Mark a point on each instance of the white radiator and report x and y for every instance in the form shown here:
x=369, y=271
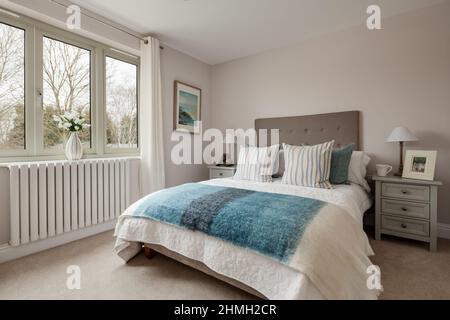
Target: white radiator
x=57, y=197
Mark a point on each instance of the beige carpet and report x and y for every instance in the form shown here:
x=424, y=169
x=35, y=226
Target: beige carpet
x=409, y=271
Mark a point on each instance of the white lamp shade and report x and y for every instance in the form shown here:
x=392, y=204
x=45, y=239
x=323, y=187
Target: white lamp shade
x=401, y=134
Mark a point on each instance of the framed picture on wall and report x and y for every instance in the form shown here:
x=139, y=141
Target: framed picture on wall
x=187, y=107
x=419, y=164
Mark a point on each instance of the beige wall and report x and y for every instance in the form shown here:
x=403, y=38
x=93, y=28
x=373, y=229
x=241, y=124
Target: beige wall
x=178, y=66
x=396, y=76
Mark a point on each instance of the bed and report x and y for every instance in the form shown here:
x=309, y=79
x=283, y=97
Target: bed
x=328, y=261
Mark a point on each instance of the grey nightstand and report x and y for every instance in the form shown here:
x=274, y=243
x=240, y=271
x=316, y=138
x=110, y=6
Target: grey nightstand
x=217, y=172
x=406, y=208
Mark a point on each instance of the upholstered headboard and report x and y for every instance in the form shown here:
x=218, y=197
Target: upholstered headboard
x=343, y=127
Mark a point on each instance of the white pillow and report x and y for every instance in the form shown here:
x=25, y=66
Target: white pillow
x=308, y=166
x=281, y=163
x=257, y=164
x=357, y=169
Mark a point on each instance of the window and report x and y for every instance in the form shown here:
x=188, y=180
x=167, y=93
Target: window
x=12, y=87
x=121, y=104
x=66, y=74
x=47, y=71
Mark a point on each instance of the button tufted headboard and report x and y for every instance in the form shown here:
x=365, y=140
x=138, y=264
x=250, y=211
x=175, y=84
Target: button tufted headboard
x=343, y=127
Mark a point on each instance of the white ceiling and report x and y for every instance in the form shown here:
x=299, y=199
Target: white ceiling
x=216, y=31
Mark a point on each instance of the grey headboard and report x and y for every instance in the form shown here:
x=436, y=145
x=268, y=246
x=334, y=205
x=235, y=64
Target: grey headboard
x=343, y=127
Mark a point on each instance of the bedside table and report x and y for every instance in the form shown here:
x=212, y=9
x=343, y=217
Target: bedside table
x=217, y=172
x=406, y=208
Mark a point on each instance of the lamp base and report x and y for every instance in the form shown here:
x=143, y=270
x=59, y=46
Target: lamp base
x=400, y=169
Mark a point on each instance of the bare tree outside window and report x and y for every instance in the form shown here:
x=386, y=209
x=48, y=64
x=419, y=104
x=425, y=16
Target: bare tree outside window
x=67, y=87
x=121, y=104
x=12, y=87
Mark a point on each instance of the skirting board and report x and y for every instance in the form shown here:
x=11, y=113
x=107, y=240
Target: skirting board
x=8, y=253
x=444, y=230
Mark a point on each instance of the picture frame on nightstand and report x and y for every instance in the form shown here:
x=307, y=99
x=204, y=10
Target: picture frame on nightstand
x=420, y=165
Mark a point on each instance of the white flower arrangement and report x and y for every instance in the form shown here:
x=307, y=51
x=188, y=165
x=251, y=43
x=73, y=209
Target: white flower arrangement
x=71, y=121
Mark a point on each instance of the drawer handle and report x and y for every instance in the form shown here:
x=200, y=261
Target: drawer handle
x=404, y=225
x=405, y=192
x=221, y=174
x=404, y=209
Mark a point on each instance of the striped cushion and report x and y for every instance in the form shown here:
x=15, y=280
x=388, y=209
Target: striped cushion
x=308, y=166
x=256, y=164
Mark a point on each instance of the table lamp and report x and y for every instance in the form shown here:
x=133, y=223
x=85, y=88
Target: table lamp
x=402, y=135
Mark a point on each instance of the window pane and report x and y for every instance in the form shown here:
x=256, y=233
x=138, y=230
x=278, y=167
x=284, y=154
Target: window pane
x=121, y=104
x=67, y=76
x=12, y=87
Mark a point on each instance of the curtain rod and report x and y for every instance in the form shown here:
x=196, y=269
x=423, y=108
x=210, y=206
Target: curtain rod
x=105, y=23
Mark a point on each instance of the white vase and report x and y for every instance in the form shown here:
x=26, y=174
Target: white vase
x=74, y=148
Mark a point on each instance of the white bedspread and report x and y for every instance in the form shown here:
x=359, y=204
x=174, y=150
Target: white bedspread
x=269, y=277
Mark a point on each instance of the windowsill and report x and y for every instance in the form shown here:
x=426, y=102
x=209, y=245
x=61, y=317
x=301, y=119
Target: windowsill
x=5, y=162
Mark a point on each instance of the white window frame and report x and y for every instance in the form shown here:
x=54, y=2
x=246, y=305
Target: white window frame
x=34, y=144
x=29, y=94
x=40, y=89
x=115, y=54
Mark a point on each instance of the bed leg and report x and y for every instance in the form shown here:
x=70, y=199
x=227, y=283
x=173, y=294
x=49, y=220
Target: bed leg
x=149, y=253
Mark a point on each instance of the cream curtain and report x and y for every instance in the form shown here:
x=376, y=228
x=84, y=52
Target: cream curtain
x=151, y=126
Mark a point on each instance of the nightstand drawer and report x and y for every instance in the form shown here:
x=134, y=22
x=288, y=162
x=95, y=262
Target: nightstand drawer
x=415, y=227
x=406, y=209
x=404, y=191
x=221, y=173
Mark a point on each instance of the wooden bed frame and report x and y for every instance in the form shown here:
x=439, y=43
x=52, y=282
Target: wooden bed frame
x=148, y=252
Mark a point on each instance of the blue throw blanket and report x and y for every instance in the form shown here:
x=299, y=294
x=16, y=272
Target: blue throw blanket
x=269, y=223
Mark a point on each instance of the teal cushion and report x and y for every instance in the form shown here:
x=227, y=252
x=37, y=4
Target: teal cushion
x=340, y=161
